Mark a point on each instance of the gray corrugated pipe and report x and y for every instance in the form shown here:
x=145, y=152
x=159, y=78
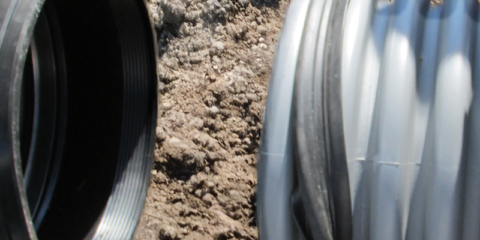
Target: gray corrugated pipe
x=408, y=106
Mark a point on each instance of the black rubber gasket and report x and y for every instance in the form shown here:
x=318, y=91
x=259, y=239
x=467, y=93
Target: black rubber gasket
x=334, y=123
x=319, y=141
x=309, y=143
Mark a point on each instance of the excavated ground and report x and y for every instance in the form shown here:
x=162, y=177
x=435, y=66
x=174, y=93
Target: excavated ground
x=215, y=59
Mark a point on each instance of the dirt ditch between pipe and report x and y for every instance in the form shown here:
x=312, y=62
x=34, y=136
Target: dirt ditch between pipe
x=215, y=60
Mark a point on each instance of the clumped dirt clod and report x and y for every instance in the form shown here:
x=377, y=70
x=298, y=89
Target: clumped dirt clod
x=215, y=63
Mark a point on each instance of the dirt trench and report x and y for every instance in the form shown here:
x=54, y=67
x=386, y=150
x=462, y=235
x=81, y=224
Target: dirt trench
x=215, y=60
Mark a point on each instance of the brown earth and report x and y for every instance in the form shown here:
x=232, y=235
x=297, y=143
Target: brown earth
x=214, y=67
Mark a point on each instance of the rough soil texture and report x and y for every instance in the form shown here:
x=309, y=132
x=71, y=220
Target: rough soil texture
x=215, y=63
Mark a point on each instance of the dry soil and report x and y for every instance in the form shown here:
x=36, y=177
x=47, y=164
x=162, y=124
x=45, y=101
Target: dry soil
x=215, y=59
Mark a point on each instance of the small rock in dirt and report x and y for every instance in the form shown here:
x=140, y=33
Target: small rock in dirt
x=168, y=233
x=161, y=86
x=167, y=106
x=198, y=193
x=160, y=134
x=221, y=155
x=181, y=223
x=213, y=111
x=247, y=141
x=210, y=185
x=196, y=123
x=236, y=196
x=160, y=177
x=222, y=199
x=217, y=48
x=173, y=11
x=244, y=3
x=208, y=199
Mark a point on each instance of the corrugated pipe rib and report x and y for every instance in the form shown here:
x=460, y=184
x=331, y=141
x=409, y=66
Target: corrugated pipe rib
x=388, y=102
x=408, y=87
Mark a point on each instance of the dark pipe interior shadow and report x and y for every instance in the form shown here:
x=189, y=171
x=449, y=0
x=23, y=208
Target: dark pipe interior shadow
x=94, y=100
x=108, y=78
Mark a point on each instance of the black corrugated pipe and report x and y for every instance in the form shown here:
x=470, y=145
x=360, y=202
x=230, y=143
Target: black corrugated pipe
x=78, y=102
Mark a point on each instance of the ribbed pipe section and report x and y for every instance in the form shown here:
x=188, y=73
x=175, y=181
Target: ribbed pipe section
x=411, y=103
x=94, y=189
x=127, y=199
x=16, y=28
